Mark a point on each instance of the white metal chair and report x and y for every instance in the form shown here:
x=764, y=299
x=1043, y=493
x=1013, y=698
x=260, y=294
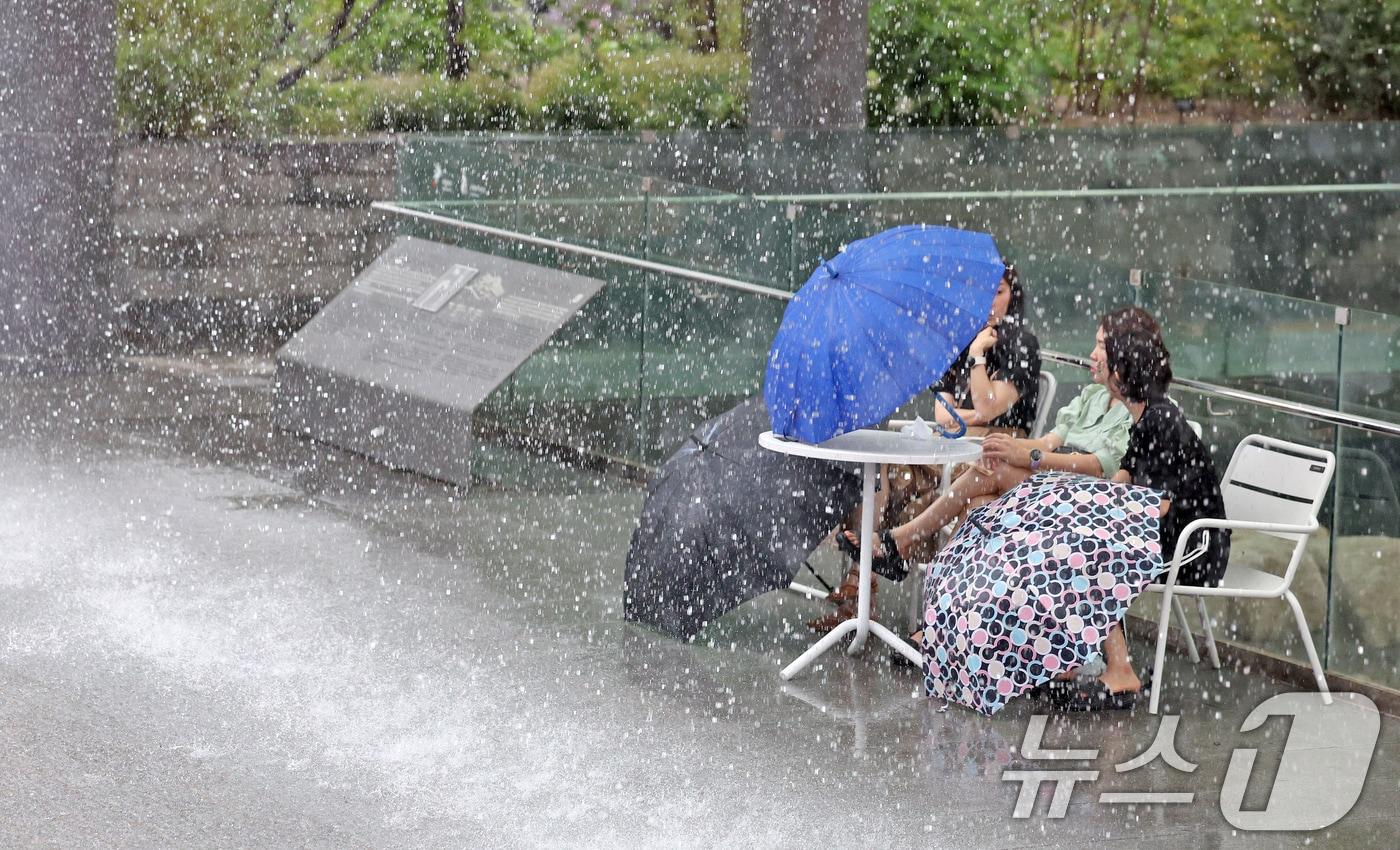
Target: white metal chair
x=1271, y=486
x=1044, y=403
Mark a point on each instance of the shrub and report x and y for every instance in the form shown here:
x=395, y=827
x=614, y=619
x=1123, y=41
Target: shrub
x=682, y=89
x=421, y=103
x=956, y=62
x=406, y=103
x=180, y=66
x=1218, y=51
x=572, y=92
x=606, y=88
x=1345, y=53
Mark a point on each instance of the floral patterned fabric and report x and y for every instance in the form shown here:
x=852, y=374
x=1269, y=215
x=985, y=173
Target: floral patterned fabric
x=1031, y=584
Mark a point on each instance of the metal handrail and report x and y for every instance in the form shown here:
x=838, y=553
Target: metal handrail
x=596, y=253
x=1322, y=414
x=1332, y=417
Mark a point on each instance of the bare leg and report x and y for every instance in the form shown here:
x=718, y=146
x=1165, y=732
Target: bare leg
x=974, y=503
x=976, y=486
x=1119, y=676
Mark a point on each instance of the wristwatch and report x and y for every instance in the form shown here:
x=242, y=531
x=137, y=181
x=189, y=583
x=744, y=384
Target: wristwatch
x=1036, y=456
x=979, y=360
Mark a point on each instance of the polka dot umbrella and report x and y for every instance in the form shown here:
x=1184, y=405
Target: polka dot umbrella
x=1031, y=584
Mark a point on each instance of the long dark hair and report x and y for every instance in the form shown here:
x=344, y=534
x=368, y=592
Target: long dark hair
x=1016, y=308
x=1139, y=364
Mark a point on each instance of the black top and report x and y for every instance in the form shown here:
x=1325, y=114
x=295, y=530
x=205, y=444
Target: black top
x=1014, y=358
x=1165, y=454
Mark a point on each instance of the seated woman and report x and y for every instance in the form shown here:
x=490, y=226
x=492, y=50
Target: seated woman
x=1164, y=454
x=995, y=381
x=1089, y=437
x=994, y=384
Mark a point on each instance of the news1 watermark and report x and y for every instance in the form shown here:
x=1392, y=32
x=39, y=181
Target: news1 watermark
x=1325, y=761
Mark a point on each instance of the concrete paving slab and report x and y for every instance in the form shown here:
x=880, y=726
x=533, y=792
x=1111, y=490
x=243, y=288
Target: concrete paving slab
x=215, y=634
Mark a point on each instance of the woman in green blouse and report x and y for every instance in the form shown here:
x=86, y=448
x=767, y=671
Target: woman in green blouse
x=1089, y=437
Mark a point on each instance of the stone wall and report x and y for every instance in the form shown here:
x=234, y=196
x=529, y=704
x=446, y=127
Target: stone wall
x=232, y=245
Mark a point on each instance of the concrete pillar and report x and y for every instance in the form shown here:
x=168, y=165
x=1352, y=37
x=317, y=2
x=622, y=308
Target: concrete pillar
x=56, y=163
x=807, y=63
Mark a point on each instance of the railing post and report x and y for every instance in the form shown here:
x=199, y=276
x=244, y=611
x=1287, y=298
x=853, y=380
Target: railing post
x=643, y=418
x=1343, y=318
x=793, y=273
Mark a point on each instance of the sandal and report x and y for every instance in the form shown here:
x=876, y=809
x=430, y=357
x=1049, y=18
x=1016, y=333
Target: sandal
x=849, y=590
x=1054, y=691
x=890, y=564
x=1095, y=696
x=845, y=545
x=899, y=659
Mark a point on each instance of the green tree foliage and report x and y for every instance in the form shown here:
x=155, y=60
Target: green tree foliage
x=1345, y=52
x=983, y=61
x=1217, y=50
x=953, y=62
x=198, y=67
x=181, y=64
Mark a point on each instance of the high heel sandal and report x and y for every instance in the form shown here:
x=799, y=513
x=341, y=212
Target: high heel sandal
x=889, y=563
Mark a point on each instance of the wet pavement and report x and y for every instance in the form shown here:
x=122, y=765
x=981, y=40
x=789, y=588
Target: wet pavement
x=220, y=635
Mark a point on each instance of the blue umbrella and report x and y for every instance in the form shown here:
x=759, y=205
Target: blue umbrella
x=875, y=326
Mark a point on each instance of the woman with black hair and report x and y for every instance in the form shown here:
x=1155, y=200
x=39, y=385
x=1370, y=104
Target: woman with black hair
x=995, y=382
x=1164, y=454
x=995, y=385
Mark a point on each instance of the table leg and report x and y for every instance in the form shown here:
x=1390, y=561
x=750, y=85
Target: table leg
x=861, y=624
x=867, y=548
x=816, y=649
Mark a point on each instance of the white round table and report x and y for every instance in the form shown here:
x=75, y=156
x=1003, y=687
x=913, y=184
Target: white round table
x=870, y=448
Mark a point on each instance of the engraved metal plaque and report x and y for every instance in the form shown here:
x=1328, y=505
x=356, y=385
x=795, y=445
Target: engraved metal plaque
x=395, y=365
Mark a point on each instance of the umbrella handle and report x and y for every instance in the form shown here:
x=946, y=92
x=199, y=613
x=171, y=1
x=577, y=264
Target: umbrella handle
x=953, y=411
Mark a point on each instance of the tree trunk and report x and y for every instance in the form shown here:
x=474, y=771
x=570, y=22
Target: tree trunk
x=706, y=27
x=1101, y=77
x=808, y=64
x=1077, y=27
x=337, y=36
x=1140, y=73
x=458, y=56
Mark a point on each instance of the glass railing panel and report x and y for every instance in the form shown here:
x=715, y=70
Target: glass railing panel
x=1254, y=341
x=1371, y=365
x=716, y=159
x=583, y=205
x=1017, y=158
x=705, y=350
x=1364, y=640
x=730, y=235
x=464, y=179
x=805, y=161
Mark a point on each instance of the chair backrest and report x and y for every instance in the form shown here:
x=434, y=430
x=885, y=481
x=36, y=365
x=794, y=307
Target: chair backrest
x=1271, y=480
x=1044, y=403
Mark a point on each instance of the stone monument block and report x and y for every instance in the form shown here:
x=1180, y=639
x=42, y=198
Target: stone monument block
x=395, y=365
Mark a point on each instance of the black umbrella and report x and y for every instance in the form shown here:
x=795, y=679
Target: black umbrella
x=726, y=520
